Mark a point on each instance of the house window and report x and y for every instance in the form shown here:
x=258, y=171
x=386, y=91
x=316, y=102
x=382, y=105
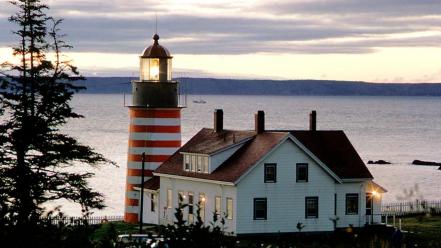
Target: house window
x=205, y=164
x=335, y=204
x=202, y=201
x=181, y=198
x=153, y=202
x=270, y=173
x=369, y=203
x=199, y=163
x=229, y=208
x=193, y=163
x=311, y=207
x=260, y=208
x=187, y=166
x=217, y=205
x=351, y=204
x=169, y=198
x=190, y=207
x=302, y=172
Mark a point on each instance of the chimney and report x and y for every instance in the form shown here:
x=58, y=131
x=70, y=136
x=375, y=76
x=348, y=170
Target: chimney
x=313, y=121
x=218, y=120
x=259, y=123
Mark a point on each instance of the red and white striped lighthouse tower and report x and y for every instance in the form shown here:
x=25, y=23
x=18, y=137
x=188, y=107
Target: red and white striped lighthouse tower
x=155, y=122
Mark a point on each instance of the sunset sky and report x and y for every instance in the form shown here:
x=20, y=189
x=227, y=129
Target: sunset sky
x=368, y=40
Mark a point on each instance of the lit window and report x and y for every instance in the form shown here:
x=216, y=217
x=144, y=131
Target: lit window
x=270, y=173
x=302, y=172
x=351, y=204
x=260, y=208
x=217, y=205
x=190, y=207
x=154, y=69
x=311, y=207
x=169, y=198
x=229, y=208
x=202, y=201
x=153, y=202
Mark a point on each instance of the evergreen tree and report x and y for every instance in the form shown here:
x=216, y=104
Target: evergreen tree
x=35, y=94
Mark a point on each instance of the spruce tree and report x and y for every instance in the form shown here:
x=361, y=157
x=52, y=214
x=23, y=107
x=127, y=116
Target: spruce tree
x=35, y=95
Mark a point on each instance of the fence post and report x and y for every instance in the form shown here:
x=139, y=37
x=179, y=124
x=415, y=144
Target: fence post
x=399, y=223
x=393, y=217
x=386, y=220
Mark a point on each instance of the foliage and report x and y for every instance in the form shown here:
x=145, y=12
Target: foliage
x=35, y=156
x=197, y=234
x=300, y=226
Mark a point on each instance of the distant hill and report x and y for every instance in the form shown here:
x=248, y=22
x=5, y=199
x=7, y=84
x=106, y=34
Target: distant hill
x=212, y=86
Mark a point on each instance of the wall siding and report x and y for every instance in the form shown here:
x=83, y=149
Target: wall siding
x=149, y=216
x=286, y=197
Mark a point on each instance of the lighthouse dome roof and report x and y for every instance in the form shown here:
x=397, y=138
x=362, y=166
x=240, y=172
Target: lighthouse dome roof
x=156, y=50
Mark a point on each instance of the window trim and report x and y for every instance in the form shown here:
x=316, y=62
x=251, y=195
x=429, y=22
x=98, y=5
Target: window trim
x=265, y=200
x=297, y=172
x=306, y=207
x=349, y=195
x=266, y=165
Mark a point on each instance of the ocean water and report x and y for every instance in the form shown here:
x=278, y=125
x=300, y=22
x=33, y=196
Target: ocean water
x=396, y=129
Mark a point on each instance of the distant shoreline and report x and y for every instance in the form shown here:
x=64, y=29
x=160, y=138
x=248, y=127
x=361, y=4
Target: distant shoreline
x=213, y=86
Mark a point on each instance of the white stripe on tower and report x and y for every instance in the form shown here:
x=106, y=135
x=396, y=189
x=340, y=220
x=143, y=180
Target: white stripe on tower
x=157, y=132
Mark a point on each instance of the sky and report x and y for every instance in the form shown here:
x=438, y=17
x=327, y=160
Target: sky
x=362, y=40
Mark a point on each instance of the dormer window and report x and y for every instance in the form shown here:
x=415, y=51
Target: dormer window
x=187, y=163
x=196, y=163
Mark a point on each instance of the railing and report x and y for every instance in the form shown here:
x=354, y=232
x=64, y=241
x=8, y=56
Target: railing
x=409, y=208
x=76, y=221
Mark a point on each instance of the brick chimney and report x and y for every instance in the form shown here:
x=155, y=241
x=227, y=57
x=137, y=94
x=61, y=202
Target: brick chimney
x=313, y=121
x=218, y=120
x=259, y=121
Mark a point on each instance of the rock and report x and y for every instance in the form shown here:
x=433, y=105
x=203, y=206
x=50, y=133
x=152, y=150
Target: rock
x=378, y=162
x=420, y=162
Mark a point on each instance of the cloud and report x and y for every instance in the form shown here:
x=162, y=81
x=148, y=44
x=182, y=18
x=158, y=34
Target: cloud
x=245, y=27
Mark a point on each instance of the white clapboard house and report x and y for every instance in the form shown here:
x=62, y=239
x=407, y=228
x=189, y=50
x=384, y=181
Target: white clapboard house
x=266, y=181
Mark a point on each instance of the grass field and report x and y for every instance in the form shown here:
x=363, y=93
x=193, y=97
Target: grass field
x=422, y=230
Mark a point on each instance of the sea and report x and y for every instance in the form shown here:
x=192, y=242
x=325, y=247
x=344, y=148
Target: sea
x=395, y=129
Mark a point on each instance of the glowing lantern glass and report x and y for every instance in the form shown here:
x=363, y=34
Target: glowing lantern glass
x=156, y=63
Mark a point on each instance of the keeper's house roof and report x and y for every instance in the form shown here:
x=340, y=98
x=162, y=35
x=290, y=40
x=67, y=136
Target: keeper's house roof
x=331, y=148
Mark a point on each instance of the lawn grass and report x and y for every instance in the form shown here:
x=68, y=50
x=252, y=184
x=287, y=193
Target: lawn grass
x=422, y=230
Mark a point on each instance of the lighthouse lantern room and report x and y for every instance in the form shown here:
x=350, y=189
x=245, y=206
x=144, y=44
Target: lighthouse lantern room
x=155, y=124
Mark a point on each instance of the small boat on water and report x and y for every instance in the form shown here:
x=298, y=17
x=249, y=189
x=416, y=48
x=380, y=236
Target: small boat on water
x=199, y=101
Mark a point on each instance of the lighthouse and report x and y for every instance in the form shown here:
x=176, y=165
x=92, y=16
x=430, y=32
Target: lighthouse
x=155, y=122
